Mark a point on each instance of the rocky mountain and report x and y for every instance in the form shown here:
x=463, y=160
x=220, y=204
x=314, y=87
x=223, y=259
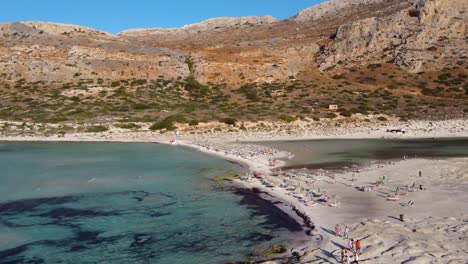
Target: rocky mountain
x=423, y=35
x=332, y=7
x=427, y=36
x=398, y=58
x=211, y=24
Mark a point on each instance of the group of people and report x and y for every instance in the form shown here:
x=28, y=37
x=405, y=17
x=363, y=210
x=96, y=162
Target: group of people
x=354, y=247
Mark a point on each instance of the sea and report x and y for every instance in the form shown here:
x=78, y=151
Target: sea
x=128, y=203
x=152, y=203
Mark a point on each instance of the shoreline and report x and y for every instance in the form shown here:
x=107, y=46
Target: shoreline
x=320, y=216
x=314, y=215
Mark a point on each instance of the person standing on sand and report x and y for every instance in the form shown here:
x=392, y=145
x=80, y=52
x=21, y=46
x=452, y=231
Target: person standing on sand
x=358, y=246
x=344, y=255
x=356, y=258
x=337, y=230
x=351, y=244
x=346, y=232
x=420, y=173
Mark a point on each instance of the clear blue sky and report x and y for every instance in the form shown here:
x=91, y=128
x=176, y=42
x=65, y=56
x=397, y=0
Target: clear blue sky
x=116, y=15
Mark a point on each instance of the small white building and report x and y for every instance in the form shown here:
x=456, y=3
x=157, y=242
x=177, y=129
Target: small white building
x=332, y=107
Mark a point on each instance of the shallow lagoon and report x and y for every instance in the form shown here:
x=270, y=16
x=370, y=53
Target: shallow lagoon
x=337, y=153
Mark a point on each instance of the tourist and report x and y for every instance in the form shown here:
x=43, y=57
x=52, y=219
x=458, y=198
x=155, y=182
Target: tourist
x=344, y=255
x=358, y=246
x=356, y=258
x=346, y=232
x=420, y=173
x=351, y=244
x=337, y=230
x=348, y=259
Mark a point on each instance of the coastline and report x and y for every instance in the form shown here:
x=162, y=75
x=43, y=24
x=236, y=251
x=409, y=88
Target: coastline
x=323, y=217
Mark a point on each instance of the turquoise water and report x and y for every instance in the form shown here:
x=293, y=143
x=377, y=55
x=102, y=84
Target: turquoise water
x=125, y=203
x=336, y=153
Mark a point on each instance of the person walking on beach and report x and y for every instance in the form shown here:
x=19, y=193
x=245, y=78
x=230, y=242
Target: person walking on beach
x=351, y=244
x=420, y=173
x=358, y=246
x=337, y=230
x=356, y=258
x=344, y=255
x=346, y=232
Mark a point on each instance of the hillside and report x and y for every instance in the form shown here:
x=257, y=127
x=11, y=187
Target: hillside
x=402, y=58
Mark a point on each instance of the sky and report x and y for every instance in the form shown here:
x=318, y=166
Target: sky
x=116, y=15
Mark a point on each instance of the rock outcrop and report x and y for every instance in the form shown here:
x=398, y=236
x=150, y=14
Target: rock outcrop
x=428, y=35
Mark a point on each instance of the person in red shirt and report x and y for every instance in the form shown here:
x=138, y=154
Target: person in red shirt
x=358, y=246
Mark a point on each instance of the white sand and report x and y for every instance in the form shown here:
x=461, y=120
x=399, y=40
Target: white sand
x=435, y=227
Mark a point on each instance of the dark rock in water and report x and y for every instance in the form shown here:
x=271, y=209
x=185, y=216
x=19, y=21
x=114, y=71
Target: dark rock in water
x=28, y=205
x=275, y=217
x=259, y=237
x=71, y=212
x=87, y=236
x=141, y=240
x=77, y=248
x=13, y=251
x=92, y=238
x=158, y=214
x=140, y=195
x=34, y=261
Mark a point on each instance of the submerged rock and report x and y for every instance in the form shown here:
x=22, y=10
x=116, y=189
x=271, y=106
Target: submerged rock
x=141, y=240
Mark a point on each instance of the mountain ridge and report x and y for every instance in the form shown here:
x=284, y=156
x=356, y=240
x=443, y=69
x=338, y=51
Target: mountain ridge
x=326, y=38
x=394, y=58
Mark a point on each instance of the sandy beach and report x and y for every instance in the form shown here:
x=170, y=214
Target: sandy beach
x=435, y=223
x=369, y=202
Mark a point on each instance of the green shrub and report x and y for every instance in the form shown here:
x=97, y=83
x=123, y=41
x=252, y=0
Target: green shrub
x=189, y=63
x=346, y=113
x=193, y=123
x=138, y=82
x=96, y=129
x=331, y=115
x=229, y=121
x=287, y=118
x=382, y=118
x=168, y=122
x=128, y=126
x=163, y=124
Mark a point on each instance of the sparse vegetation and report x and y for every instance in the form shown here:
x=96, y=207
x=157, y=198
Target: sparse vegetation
x=161, y=101
x=96, y=129
x=287, y=118
x=128, y=126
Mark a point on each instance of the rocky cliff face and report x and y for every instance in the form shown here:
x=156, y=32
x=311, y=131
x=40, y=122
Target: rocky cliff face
x=336, y=35
x=37, y=51
x=428, y=35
